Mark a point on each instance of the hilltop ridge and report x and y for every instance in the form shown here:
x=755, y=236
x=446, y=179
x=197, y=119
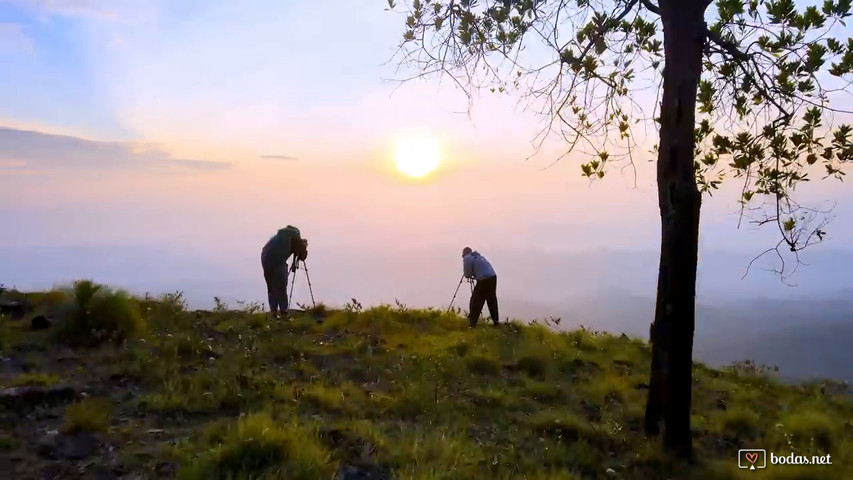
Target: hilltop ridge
x=386, y=392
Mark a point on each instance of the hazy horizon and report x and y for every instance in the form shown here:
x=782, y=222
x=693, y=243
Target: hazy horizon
x=157, y=146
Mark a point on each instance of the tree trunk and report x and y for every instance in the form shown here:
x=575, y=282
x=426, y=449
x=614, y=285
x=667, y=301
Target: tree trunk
x=670, y=386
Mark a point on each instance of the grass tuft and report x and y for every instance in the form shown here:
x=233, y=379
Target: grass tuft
x=96, y=313
x=91, y=415
x=811, y=429
x=8, y=442
x=34, y=379
x=260, y=447
x=533, y=365
x=482, y=365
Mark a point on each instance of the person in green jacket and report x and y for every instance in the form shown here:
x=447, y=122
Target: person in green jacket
x=286, y=242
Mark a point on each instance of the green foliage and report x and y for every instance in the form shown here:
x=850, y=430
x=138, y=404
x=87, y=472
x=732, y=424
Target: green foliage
x=48, y=301
x=260, y=447
x=35, y=379
x=7, y=442
x=533, y=365
x=568, y=428
x=250, y=307
x=419, y=394
x=173, y=301
x=219, y=305
x=318, y=310
x=97, y=313
x=764, y=103
x=740, y=423
x=482, y=365
x=90, y=415
x=810, y=430
x=461, y=348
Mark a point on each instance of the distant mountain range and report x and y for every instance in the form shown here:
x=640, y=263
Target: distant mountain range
x=804, y=338
x=804, y=330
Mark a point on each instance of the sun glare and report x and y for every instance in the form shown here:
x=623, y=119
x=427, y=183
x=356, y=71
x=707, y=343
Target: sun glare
x=417, y=156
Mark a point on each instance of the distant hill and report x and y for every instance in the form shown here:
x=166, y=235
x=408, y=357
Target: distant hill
x=804, y=338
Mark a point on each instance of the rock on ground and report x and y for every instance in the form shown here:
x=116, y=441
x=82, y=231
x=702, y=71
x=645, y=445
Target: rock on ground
x=18, y=398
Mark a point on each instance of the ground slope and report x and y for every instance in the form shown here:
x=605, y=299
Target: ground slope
x=382, y=393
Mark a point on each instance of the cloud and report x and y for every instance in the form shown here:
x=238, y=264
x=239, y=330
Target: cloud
x=287, y=158
x=13, y=39
x=71, y=8
x=24, y=151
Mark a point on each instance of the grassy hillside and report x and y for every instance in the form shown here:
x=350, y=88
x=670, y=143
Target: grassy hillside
x=141, y=388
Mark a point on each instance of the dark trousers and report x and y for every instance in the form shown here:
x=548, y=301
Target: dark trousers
x=276, y=278
x=486, y=291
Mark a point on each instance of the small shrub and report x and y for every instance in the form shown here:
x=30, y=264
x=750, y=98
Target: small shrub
x=185, y=347
x=327, y=398
x=582, y=339
x=741, y=423
x=257, y=321
x=173, y=302
x=566, y=428
x=533, y=365
x=440, y=452
x=284, y=351
x=461, y=349
x=7, y=442
x=482, y=365
x=48, y=301
x=544, y=392
x=90, y=415
x=250, y=307
x=219, y=305
x=98, y=313
x=35, y=379
x=259, y=447
x=811, y=426
x=353, y=306
x=319, y=310
x=490, y=397
x=748, y=368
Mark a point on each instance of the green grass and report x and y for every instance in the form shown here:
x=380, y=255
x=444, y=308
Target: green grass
x=7, y=442
x=419, y=394
x=34, y=379
x=91, y=415
x=259, y=446
x=92, y=314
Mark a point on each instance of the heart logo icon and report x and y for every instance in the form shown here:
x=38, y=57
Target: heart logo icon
x=752, y=457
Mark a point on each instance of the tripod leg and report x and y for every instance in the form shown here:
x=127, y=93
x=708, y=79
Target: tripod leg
x=310, y=288
x=290, y=294
x=454, y=293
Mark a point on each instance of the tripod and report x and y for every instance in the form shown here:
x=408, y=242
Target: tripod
x=470, y=283
x=293, y=281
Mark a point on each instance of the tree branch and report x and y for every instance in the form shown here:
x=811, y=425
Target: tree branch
x=729, y=47
x=651, y=6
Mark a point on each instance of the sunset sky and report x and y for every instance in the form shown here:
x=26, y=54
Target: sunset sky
x=203, y=126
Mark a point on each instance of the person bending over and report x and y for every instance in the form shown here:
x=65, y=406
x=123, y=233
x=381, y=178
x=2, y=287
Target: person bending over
x=286, y=242
x=476, y=267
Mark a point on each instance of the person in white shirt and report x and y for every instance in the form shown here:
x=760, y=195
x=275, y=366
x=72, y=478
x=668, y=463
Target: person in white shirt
x=476, y=267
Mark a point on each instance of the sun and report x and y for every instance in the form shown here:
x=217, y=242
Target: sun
x=416, y=156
